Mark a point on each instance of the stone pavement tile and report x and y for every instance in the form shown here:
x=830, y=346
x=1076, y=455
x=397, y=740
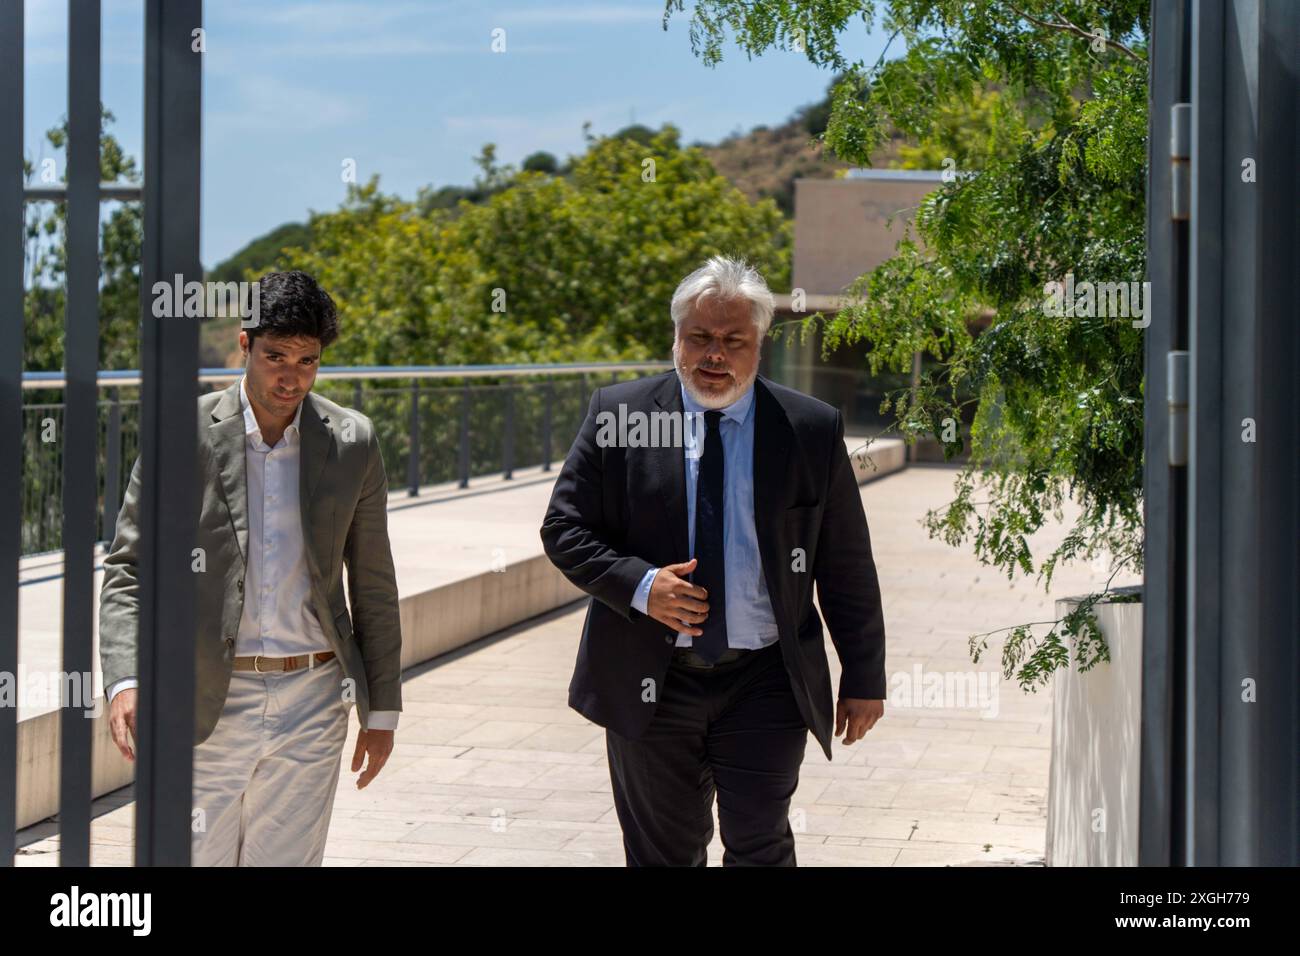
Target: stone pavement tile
x=380, y=796
x=503, y=773
x=374, y=826
x=981, y=725
x=346, y=848
x=482, y=833
x=575, y=810
x=497, y=733
x=999, y=739
x=872, y=752
x=809, y=789
x=859, y=793
x=542, y=714
x=463, y=791
x=514, y=856
x=1020, y=760
x=534, y=755
x=437, y=680
x=946, y=854
x=976, y=777
x=817, y=820
x=593, y=779
x=34, y=856
x=1020, y=837
x=923, y=795
x=885, y=731
x=432, y=730
x=431, y=769
x=1029, y=779
x=109, y=855
x=413, y=709
x=839, y=769
x=1018, y=799
x=942, y=755
x=565, y=737
x=823, y=855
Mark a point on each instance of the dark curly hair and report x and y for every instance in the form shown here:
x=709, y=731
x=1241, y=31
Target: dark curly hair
x=292, y=304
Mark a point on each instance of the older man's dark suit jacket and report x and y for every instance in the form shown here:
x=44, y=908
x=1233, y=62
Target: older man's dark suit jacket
x=615, y=512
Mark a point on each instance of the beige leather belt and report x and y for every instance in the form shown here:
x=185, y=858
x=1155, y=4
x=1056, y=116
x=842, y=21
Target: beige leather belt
x=270, y=665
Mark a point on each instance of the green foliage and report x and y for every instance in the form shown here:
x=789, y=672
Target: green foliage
x=258, y=255
x=546, y=269
x=45, y=266
x=1042, y=107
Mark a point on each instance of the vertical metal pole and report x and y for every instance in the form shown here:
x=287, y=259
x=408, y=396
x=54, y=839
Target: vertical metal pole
x=11, y=396
x=463, y=453
x=413, y=461
x=80, y=429
x=112, y=467
x=508, y=446
x=169, y=502
x=356, y=395
x=1164, y=496
x=549, y=391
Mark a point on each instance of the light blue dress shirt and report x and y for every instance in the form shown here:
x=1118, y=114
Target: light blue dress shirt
x=750, y=621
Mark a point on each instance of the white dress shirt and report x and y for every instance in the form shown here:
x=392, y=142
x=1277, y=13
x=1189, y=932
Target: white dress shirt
x=278, y=619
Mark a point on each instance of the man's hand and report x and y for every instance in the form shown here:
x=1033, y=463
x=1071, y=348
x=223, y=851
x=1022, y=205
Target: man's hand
x=677, y=602
x=859, y=715
x=378, y=744
x=121, y=718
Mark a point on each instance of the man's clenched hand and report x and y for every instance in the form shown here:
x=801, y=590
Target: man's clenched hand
x=677, y=602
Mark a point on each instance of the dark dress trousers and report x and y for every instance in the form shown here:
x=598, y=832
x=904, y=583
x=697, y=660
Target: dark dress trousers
x=615, y=512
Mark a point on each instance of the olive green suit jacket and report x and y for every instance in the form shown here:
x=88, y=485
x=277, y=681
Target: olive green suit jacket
x=343, y=491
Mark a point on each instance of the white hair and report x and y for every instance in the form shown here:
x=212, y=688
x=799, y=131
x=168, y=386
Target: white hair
x=725, y=279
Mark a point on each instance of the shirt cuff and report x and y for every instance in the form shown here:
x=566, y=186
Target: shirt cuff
x=383, y=719
x=124, y=683
x=641, y=599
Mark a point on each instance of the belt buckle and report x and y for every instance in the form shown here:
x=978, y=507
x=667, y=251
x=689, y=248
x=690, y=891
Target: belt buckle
x=256, y=669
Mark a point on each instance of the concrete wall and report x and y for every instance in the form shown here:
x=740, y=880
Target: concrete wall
x=841, y=226
x=1092, y=800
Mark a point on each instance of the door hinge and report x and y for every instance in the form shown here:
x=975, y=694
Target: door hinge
x=1180, y=159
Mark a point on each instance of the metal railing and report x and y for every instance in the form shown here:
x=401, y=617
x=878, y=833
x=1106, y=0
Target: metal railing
x=435, y=424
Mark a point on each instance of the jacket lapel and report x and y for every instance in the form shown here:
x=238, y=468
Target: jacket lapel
x=773, y=437
x=226, y=437
x=316, y=438
x=668, y=470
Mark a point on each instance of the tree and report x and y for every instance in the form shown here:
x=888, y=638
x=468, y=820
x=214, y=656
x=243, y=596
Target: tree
x=1048, y=183
x=545, y=269
x=45, y=265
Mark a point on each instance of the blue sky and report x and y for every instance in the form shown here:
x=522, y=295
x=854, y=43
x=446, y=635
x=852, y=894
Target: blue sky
x=410, y=91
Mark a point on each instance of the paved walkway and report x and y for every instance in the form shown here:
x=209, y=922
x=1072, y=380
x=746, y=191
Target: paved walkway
x=492, y=768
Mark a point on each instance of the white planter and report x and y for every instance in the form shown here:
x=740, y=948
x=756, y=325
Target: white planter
x=1092, y=797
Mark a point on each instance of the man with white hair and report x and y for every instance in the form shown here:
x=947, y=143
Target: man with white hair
x=702, y=653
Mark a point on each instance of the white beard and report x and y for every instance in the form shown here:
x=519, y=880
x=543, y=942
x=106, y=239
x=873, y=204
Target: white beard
x=720, y=400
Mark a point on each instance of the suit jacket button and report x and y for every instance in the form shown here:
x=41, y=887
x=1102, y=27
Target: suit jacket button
x=668, y=639
x=230, y=642
x=241, y=585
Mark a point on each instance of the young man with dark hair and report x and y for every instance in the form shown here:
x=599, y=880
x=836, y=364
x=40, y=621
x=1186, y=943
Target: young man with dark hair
x=294, y=489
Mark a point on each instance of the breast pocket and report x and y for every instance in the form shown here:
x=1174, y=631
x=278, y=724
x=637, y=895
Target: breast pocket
x=343, y=624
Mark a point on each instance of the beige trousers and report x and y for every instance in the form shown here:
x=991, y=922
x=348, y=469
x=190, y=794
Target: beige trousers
x=264, y=782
